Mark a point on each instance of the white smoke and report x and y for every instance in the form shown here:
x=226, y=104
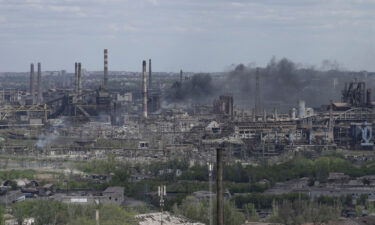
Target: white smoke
x=52, y=134
x=45, y=140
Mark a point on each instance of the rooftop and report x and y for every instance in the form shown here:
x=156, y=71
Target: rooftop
x=114, y=189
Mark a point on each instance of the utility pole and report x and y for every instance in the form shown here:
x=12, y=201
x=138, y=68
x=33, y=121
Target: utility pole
x=162, y=192
x=219, y=186
x=210, y=167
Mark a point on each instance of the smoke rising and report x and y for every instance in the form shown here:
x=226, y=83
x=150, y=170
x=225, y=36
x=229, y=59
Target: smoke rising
x=282, y=84
x=52, y=134
x=46, y=139
x=197, y=89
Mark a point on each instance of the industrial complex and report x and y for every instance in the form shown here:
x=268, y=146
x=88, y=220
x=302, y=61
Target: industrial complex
x=55, y=118
x=76, y=116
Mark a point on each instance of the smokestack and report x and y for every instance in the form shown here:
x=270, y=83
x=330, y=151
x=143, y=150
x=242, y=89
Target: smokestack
x=181, y=73
x=264, y=116
x=76, y=78
x=79, y=70
x=149, y=74
x=39, y=84
x=253, y=116
x=105, y=83
x=219, y=186
x=32, y=83
x=301, y=109
x=144, y=93
x=258, y=107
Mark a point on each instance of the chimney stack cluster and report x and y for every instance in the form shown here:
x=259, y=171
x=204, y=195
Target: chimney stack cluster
x=36, y=84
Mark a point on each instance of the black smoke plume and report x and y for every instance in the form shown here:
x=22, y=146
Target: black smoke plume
x=197, y=89
x=282, y=84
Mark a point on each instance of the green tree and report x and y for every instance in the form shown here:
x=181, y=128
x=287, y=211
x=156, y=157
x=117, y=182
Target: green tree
x=362, y=199
x=2, y=212
x=197, y=210
x=56, y=213
x=251, y=213
x=22, y=210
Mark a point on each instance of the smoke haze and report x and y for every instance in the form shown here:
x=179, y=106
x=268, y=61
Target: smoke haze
x=282, y=84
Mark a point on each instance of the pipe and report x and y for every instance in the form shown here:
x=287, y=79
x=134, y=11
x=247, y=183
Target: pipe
x=219, y=186
x=144, y=93
x=105, y=82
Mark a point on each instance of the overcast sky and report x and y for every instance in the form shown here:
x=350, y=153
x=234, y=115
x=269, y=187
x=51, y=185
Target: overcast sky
x=195, y=35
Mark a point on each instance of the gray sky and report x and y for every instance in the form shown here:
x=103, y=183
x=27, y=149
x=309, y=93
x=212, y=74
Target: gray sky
x=195, y=35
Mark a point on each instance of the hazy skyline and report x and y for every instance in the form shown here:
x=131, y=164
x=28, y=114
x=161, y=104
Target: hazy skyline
x=193, y=35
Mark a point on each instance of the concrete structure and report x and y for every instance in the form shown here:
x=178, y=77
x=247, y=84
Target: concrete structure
x=113, y=195
x=224, y=105
x=167, y=218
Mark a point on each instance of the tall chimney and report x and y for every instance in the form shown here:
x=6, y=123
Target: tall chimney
x=275, y=114
x=181, y=73
x=32, y=83
x=39, y=84
x=144, y=93
x=76, y=78
x=258, y=104
x=219, y=186
x=301, y=108
x=105, y=83
x=79, y=71
x=149, y=74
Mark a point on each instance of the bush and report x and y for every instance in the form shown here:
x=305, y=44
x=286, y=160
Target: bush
x=52, y=212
